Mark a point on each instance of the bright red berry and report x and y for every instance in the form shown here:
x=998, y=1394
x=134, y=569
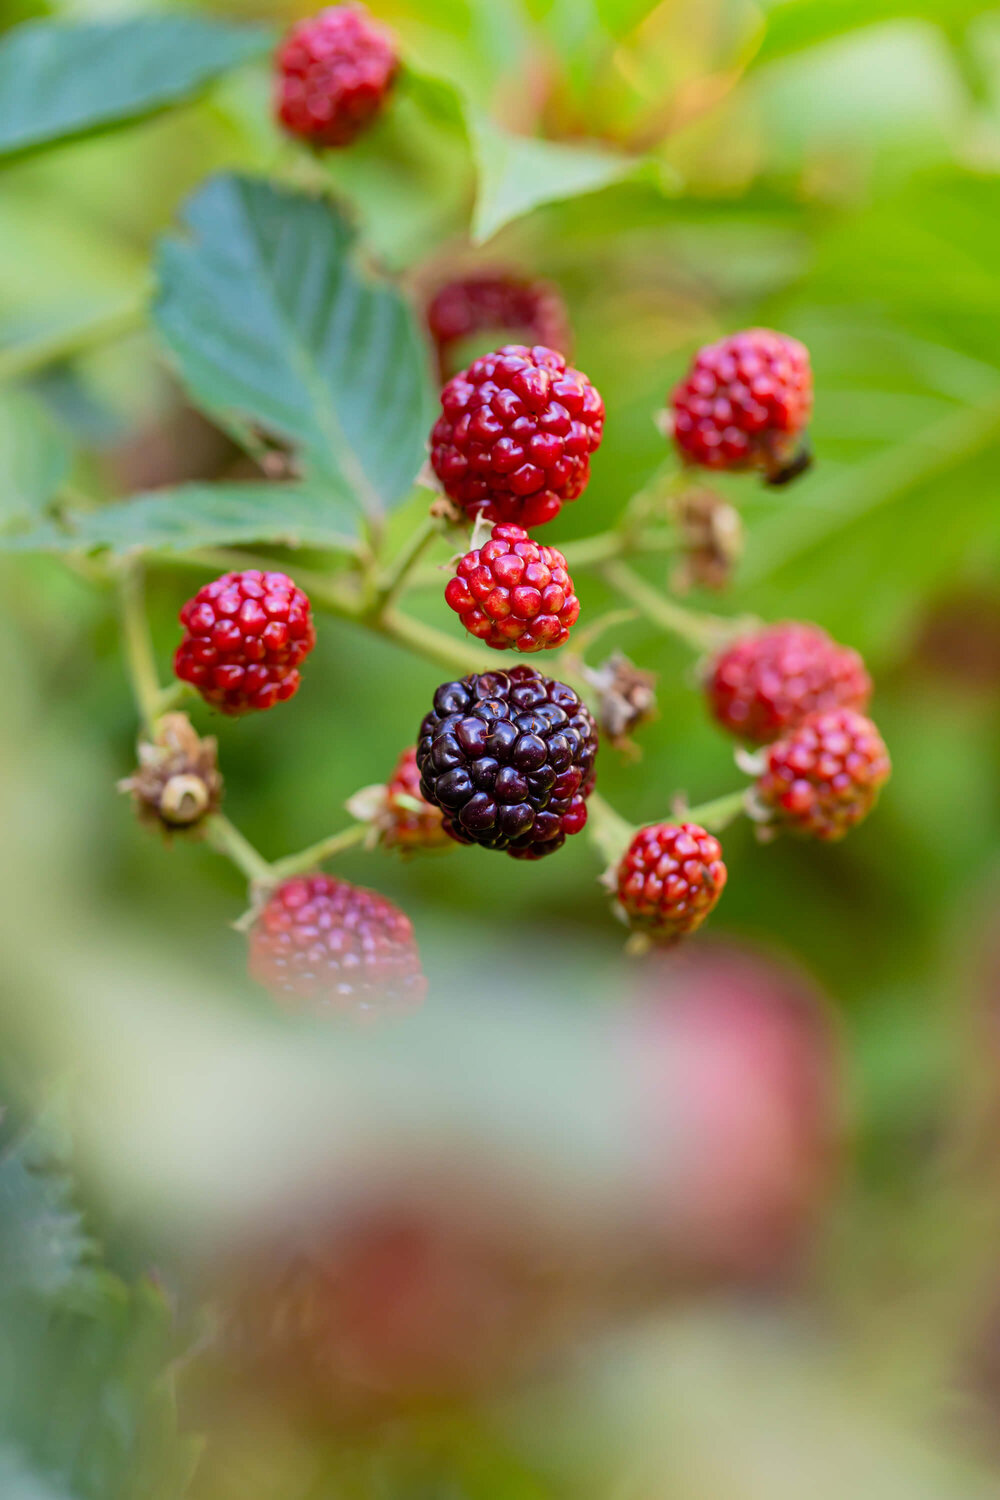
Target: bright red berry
x=669, y=879
x=745, y=404
x=407, y=826
x=321, y=944
x=509, y=759
x=515, y=436
x=514, y=594
x=497, y=303
x=334, y=72
x=768, y=682
x=825, y=775
x=245, y=636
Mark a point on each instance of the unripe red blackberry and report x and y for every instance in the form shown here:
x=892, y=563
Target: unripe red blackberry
x=410, y=822
x=825, y=775
x=515, y=435
x=334, y=73
x=509, y=759
x=766, y=683
x=497, y=303
x=323, y=945
x=745, y=404
x=669, y=879
x=514, y=594
x=245, y=637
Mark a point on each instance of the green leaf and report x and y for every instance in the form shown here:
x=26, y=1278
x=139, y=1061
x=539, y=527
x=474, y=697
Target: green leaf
x=60, y=81
x=42, y=1243
x=275, y=330
x=86, y=1394
x=34, y=458
x=202, y=515
x=792, y=25
x=410, y=178
x=519, y=173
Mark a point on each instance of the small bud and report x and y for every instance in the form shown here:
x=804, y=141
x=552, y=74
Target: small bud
x=177, y=782
x=627, y=697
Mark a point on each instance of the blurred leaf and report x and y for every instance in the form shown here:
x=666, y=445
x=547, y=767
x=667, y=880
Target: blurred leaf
x=795, y=24
x=410, y=179
x=18, y=1482
x=34, y=458
x=275, y=330
x=518, y=173
x=202, y=515
x=86, y=1394
x=60, y=81
x=42, y=1243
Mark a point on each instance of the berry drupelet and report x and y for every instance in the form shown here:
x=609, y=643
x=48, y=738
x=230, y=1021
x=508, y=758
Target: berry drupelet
x=323, y=945
x=514, y=594
x=334, y=73
x=768, y=682
x=745, y=404
x=516, y=434
x=245, y=637
x=509, y=759
x=669, y=879
x=825, y=776
x=494, y=303
x=409, y=821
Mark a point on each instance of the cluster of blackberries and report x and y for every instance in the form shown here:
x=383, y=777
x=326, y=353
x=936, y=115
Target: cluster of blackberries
x=506, y=759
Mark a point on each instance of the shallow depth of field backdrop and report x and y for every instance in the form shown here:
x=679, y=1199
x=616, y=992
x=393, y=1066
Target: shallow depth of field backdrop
x=827, y=168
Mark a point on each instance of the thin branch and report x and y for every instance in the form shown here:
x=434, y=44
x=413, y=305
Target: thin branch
x=315, y=854
x=139, y=646
x=398, y=574
x=227, y=840
x=703, y=632
x=717, y=815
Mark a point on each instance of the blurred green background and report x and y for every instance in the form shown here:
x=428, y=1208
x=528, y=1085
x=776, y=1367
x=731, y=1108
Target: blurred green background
x=824, y=167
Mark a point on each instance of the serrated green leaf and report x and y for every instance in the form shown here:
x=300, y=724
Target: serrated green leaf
x=60, y=81
x=86, y=1394
x=201, y=515
x=42, y=1243
x=276, y=330
x=34, y=458
x=519, y=173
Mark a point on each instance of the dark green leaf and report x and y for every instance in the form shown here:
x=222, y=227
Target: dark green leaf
x=202, y=515
x=277, y=331
x=60, y=81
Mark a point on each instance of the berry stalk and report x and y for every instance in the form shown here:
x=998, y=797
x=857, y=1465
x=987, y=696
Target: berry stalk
x=139, y=655
x=703, y=632
x=718, y=814
x=309, y=858
x=227, y=840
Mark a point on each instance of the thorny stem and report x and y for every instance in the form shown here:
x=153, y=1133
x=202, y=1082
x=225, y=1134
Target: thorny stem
x=139, y=646
x=227, y=840
x=703, y=632
x=315, y=854
x=18, y=361
x=716, y=815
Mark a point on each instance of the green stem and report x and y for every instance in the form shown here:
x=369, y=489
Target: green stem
x=227, y=840
x=717, y=815
x=327, y=595
x=703, y=632
x=592, y=551
x=172, y=697
x=18, y=361
x=394, y=582
x=139, y=646
x=454, y=656
x=607, y=828
x=308, y=859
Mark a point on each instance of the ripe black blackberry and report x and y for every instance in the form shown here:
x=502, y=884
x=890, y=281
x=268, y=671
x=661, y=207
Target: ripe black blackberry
x=509, y=759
